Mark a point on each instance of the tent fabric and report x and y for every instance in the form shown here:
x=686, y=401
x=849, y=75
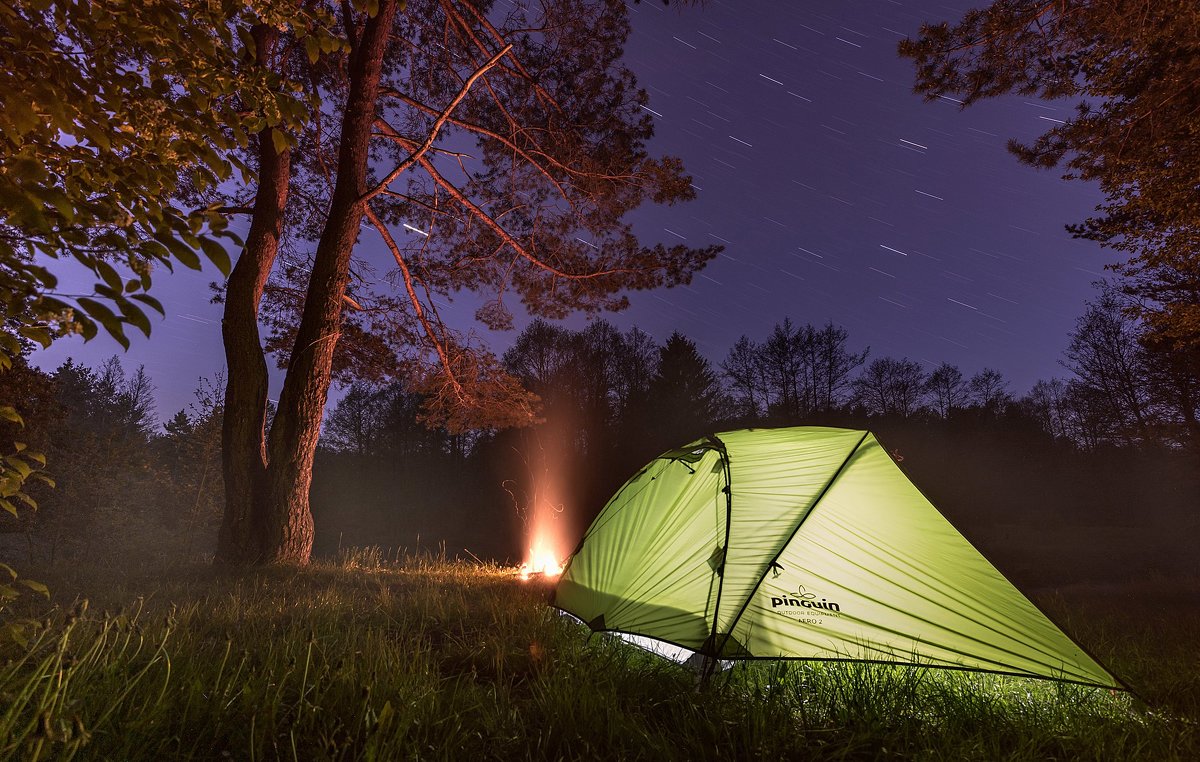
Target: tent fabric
x=804, y=543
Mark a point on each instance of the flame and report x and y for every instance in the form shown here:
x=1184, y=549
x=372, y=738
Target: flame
x=545, y=556
x=541, y=561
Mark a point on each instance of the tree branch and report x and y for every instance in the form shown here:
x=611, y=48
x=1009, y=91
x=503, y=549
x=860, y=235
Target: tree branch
x=418, y=308
x=437, y=126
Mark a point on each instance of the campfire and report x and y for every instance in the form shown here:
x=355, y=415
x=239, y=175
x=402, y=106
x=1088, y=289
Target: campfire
x=540, y=502
x=541, y=561
x=547, y=547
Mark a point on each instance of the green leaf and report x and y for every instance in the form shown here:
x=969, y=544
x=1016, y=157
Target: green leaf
x=279, y=140
x=12, y=573
x=44, y=276
x=216, y=254
x=9, y=413
x=385, y=716
x=60, y=201
x=36, y=333
x=313, y=48
x=151, y=302
x=134, y=316
x=8, y=507
x=247, y=41
x=109, y=275
x=20, y=466
x=36, y=587
x=87, y=327
x=25, y=169
x=176, y=248
x=20, y=115
x=106, y=318
x=26, y=214
x=102, y=290
x=15, y=631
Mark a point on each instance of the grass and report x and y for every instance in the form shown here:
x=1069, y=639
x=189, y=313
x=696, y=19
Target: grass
x=428, y=659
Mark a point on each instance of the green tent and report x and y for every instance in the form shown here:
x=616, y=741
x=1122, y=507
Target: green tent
x=804, y=543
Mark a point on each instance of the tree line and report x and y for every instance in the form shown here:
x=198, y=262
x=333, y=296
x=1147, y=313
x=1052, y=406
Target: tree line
x=1122, y=389
x=610, y=400
x=126, y=486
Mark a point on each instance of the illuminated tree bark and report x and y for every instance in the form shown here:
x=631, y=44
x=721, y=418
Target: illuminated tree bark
x=267, y=478
x=243, y=450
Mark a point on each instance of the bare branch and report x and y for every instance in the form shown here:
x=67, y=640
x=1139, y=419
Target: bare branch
x=418, y=307
x=437, y=126
x=544, y=96
x=533, y=162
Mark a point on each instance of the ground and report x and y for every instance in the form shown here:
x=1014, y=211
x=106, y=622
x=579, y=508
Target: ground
x=431, y=659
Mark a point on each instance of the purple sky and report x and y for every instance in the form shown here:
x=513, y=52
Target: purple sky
x=838, y=194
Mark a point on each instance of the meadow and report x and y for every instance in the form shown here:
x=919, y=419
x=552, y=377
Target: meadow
x=425, y=658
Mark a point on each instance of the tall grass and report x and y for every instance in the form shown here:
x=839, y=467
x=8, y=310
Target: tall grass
x=427, y=659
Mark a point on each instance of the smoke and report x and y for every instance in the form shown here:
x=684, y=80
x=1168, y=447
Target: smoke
x=540, y=497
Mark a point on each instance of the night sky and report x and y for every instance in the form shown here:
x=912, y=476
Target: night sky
x=838, y=194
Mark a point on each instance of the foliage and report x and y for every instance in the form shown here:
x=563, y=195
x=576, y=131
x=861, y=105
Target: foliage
x=987, y=390
x=116, y=118
x=21, y=469
x=99, y=444
x=1130, y=387
x=1131, y=66
x=123, y=487
x=432, y=659
x=188, y=459
x=371, y=421
x=594, y=379
x=946, y=389
x=112, y=117
x=569, y=141
x=1109, y=363
x=685, y=396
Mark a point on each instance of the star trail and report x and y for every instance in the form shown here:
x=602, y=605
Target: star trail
x=841, y=196
x=837, y=193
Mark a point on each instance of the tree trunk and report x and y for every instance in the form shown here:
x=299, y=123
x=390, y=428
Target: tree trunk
x=297, y=425
x=243, y=451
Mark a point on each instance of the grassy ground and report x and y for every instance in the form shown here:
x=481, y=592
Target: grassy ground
x=436, y=660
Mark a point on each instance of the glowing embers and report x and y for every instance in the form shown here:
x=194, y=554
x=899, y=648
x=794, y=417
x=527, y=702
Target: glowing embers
x=541, y=561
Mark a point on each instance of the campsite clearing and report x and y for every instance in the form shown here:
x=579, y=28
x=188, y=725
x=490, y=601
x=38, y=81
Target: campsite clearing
x=433, y=660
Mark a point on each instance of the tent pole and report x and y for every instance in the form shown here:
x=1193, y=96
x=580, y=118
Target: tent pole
x=706, y=672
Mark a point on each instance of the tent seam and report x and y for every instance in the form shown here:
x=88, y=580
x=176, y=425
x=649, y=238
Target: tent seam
x=816, y=502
